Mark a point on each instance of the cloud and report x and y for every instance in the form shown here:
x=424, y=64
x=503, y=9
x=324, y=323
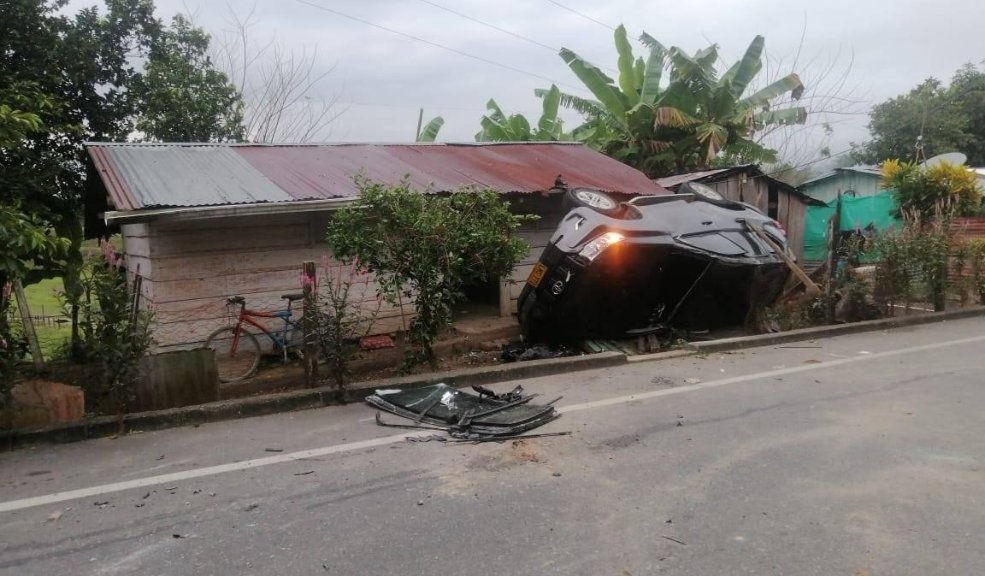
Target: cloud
x=386, y=77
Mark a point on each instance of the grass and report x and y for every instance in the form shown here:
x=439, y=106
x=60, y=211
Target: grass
x=43, y=300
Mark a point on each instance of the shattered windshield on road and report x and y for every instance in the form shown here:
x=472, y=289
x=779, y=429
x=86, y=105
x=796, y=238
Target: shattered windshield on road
x=465, y=415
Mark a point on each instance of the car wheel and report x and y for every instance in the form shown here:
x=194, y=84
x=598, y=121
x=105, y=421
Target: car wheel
x=594, y=199
x=708, y=194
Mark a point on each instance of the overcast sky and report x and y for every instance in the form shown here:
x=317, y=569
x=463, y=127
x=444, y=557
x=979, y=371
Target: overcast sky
x=382, y=78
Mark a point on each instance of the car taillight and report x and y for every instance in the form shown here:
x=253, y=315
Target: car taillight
x=593, y=249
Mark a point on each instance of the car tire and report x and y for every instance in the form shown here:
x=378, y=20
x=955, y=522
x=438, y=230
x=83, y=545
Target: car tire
x=708, y=194
x=592, y=199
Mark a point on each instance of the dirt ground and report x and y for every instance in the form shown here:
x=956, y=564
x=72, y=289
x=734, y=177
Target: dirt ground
x=275, y=376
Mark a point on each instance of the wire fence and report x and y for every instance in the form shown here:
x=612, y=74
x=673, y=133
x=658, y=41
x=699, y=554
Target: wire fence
x=53, y=332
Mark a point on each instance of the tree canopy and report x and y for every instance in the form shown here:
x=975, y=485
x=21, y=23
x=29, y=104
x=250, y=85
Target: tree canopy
x=82, y=76
x=949, y=118
x=181, y=96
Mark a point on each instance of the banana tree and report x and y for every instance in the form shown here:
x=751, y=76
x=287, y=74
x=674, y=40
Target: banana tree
x=622, y=119
x=681, y=124
x=720, y=117
x=498, y=127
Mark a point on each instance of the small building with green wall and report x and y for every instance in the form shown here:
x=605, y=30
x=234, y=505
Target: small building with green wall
x=855, y=181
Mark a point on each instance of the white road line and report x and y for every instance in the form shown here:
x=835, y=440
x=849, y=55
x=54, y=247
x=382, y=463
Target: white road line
x=769, y=374
x=56, y=497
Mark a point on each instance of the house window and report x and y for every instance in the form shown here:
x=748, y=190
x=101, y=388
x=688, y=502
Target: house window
x=773, y=202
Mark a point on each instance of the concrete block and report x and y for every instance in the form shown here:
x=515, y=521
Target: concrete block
x=42, y=402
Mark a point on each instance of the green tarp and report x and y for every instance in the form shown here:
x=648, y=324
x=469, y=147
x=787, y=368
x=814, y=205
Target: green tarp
x=876, y=212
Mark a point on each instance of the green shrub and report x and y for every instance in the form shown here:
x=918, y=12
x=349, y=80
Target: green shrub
x=343, y=317
x=427, y=247
x=114, y=335
x=927, y=190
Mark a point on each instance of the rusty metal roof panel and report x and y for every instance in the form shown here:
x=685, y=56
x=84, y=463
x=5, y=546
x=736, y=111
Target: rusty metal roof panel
x=149, y=176
x=174, y=175
x=327, y=171
x=678, y=179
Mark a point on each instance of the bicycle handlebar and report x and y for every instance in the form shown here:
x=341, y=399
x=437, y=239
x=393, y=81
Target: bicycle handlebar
x=236, y=300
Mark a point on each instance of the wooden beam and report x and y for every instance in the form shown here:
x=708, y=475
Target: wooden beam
x=32, y=336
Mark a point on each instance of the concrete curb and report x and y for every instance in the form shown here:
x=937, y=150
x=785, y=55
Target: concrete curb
x=741, y=342
x=324, y=396
x=833, y=330
x=299, y=400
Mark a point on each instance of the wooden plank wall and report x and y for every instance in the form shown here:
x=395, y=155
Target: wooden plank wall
x=137, y=250
x=194, y=266
x=755, y=191
x=794, y=224
x=537, y=234
x=190, y=268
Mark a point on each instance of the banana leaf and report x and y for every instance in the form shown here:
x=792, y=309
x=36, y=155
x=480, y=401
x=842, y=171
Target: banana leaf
x=707, y=57
x=652, y=43
x=430, y=130
x=597, y=83
x=519, y=128
x=655, y=63
x=578, y=104
x=679, y=95
x=639, y=73
x=497, y=112
x=785, y=117
x=789, y=83
x=686, y=69
x=627, y=74
x=668, y=116
x=746, y=69
x=548, y=122
x=713, y=137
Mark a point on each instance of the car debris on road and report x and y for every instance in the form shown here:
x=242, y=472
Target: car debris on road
x=465, y=416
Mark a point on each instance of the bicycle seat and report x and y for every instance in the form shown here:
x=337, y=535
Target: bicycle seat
x=292, y=297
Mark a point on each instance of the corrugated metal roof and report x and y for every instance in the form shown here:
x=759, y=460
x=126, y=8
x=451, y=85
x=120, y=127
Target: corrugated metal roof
x=868, y=170
x=750, y=170
x=149, y=176
x=143, y=176
x=677, y=180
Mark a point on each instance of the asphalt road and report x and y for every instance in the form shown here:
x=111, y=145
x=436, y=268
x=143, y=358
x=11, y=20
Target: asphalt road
x=856, y=455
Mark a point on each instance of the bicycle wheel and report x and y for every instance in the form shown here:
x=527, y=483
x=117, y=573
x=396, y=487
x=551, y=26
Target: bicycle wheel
x=234, y=365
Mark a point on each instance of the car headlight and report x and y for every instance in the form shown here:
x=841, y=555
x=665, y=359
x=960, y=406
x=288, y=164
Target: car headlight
x=592, y=250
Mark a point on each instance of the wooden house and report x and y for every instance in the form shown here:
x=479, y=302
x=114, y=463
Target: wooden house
x=856, y=181
x=203, y=222
x=750, y=185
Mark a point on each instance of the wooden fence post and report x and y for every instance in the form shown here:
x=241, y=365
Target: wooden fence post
x=834, y=237
x=29, y=332
x=309, y=323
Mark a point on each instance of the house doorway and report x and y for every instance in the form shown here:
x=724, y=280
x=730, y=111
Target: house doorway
x=481, y=298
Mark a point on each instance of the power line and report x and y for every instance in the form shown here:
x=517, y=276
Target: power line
x=583, y=15
x=493, y=26
x=437, y=45
x=537, y=43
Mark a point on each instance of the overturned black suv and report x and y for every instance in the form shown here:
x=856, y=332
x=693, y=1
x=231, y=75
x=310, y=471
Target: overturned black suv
x=689, y=261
